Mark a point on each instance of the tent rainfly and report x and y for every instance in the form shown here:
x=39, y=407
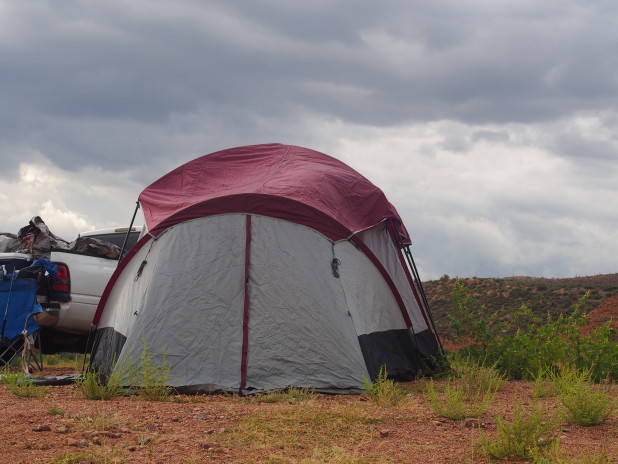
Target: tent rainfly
x=264, y=267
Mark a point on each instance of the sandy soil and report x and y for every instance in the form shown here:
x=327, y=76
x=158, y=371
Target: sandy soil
x=64, y=425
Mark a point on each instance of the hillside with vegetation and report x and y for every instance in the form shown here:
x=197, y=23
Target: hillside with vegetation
x=505, y=296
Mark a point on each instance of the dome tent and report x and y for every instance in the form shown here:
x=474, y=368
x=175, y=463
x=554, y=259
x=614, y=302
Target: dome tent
x=267, y=266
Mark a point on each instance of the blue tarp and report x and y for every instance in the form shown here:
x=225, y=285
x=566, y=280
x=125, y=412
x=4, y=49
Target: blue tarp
x=17, y=302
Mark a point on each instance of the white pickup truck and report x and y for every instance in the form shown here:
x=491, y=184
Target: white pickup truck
x=70, y=302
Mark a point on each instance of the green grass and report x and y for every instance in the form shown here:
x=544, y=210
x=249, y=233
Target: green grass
x=588, y=404
x=554, y=454
x=295, y=430
x=290, y=395
x=93, y=388
x=384, y=391
x=519, y=438
x=468, y=393
x=21, y=385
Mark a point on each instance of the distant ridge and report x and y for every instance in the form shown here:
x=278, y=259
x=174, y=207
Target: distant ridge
x=506, y=295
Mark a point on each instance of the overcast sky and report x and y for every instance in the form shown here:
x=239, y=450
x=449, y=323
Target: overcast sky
x=490, y=125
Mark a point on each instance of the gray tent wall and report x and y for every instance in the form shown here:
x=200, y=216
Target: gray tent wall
x=239, y=302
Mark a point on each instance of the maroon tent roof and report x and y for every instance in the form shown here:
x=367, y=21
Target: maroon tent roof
x=283, y=181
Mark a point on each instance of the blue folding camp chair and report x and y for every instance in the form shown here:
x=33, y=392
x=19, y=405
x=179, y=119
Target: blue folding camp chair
x=19, y=331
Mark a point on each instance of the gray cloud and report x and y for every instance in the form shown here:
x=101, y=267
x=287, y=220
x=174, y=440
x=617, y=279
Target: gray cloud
x=131, y=90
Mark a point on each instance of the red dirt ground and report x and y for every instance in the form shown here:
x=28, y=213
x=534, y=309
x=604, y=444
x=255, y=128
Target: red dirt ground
x=197, y=430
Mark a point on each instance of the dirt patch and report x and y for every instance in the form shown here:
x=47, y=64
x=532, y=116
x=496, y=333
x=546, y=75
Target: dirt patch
x=239, y=430
x=605, y=312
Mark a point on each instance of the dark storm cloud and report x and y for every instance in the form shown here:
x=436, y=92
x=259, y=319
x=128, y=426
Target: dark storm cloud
x=373, y=63
x=508, y=109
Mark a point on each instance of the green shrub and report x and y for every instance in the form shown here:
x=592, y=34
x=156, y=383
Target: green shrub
x=150, y=379
x=449, y=402
x=545, y=384
x=520, y=437
x=469, y=394
x=554, y=455
x=93, y=388
x=476, y=377
x=526, y=345
x=588, y=404
x=384, y=391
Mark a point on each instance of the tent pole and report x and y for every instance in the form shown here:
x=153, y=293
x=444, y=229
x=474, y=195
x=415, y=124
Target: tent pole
x=419, y=285
x=126, y=238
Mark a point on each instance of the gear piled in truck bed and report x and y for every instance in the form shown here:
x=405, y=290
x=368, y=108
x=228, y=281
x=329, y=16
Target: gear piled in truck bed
x=36, y=239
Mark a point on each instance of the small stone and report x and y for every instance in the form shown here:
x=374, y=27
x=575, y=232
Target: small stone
x=62, y=429
x=385, y=433
x=42, y=428
x=471, y=422
x=210, y=431
x=132, y=448
x=206, y=446
x=199, y=416
x=143, y=441
x=12, y=443
x=97, y=441
x=83, y=443
x=175, y=419
x=152, y=427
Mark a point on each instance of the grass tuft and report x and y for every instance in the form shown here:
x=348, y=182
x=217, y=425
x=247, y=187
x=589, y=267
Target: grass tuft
x=93, y=388
x=290, y=395
x=523, y=435
x=384, y=391
x=21, y=385
x=469, y=394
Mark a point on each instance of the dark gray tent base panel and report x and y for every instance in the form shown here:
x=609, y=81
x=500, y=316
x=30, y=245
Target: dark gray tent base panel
x=106, y=347
x=400, y=352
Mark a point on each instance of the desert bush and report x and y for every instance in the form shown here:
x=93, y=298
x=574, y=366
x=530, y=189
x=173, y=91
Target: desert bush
x=526, y=345
x=587, y=404
x=94, y=388
x=468, y=394
x=553, y=454
x=477, y=377
x=150, y=379
x=521, y=436
x=384, y=391
x=545, y=384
